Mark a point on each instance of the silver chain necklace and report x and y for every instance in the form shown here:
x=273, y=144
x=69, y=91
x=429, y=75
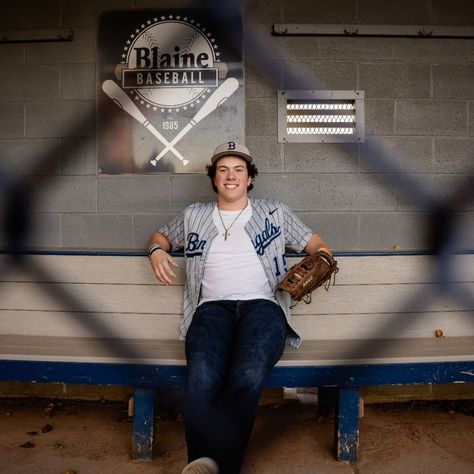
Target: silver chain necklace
x=226, y=233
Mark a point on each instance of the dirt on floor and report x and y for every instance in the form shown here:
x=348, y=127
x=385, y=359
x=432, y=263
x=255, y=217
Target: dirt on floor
x=56, y=437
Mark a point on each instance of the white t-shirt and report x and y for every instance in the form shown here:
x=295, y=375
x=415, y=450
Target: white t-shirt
x=233, y=270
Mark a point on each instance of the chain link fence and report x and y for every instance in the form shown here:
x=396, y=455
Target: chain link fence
x=19, y=194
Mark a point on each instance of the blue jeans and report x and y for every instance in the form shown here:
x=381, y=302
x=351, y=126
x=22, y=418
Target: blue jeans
x=230, y=348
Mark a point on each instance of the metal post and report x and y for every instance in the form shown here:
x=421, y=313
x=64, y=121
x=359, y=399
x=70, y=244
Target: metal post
x=347, y=424
x=143, y=424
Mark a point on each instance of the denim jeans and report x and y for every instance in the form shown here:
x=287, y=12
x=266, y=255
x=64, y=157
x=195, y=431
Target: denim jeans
x=230, y=348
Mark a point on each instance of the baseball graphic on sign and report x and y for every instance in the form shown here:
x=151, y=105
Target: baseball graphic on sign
x=171, y=64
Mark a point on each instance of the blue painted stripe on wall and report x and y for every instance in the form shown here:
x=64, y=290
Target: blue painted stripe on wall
x=89, y=253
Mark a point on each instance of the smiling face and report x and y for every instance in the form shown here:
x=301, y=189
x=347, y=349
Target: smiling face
x=232, y=180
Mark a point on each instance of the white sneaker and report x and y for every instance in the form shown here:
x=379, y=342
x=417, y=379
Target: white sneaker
x=202, y=466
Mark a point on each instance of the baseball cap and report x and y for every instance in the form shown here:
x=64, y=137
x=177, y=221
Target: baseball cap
x=231, y=149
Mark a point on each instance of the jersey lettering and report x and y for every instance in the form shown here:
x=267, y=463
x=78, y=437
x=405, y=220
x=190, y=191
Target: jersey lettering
x=266, y=237
x=195, y=246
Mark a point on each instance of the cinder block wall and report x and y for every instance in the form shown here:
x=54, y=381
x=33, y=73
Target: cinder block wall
x=419, y=114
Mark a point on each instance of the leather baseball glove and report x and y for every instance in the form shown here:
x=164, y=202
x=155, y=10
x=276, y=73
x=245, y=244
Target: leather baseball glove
x=308, y=274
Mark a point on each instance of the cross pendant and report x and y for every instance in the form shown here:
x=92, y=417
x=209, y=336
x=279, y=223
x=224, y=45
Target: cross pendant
x=225, y=234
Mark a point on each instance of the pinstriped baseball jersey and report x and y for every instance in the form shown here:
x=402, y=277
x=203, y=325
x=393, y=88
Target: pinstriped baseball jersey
x=272, y=227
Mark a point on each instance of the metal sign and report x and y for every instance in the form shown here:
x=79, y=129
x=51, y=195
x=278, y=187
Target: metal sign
x=170, y=90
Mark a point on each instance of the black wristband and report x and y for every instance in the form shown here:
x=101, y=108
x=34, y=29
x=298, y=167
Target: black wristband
x=152, y=248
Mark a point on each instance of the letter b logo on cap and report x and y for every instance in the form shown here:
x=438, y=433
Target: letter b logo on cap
x=230, y=146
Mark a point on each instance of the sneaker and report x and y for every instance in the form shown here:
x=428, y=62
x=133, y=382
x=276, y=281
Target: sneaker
x=202, y=466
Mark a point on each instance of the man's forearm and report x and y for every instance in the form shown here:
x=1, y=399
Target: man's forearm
x=159, y=238
x=315, y=244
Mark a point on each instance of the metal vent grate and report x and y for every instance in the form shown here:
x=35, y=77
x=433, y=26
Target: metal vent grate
x=320, y=116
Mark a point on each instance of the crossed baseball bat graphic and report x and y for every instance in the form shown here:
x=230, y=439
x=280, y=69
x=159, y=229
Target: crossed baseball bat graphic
x=122, y=100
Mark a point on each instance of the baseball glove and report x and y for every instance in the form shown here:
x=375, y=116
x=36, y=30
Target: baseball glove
x=308, y=274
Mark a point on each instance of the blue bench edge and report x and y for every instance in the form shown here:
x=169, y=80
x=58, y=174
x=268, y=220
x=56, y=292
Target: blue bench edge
x=170, y=376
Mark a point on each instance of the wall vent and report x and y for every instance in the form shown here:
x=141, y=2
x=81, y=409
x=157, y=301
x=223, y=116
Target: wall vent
x=320, y=116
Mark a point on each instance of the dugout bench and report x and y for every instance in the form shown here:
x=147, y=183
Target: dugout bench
x=103, y=319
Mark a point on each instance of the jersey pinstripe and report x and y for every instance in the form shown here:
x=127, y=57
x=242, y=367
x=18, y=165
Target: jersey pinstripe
x=272, y=228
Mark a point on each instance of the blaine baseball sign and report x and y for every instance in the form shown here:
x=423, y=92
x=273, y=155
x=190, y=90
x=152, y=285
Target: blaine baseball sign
x=170, y=90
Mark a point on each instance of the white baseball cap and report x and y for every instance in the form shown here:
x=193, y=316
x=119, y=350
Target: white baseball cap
x=232, y=149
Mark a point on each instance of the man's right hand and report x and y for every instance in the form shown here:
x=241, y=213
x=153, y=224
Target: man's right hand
x=162, y=262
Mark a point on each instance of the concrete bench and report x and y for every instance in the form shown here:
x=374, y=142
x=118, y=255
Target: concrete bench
x=103, y=319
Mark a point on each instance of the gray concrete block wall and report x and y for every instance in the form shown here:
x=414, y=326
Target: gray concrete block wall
x=145, y=224
x=431, y=51
x=23, y=157
x=29, y=83
x=318, y=11
x=432, y=117
x=79, y=51
x=45, y=231
x=64, y=119
x=30, y=14
x=453, y=155
x=12, y=121
x=398, y=12
x=471, y=118
x=105, y=230
x=387, y=79
x=379, y=117
x=287, y=187
x=416, y=115
x=408, y=153
x=134, y=194
x=64, y=194
x=321, y=158
x=419, y=117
